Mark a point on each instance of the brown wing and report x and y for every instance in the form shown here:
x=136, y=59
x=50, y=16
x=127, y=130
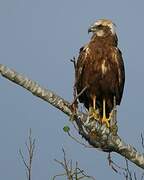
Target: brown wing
x=79, y=76
x=119, y=73
x=117, y=57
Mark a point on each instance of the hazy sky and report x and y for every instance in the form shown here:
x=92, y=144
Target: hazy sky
x=38, y=38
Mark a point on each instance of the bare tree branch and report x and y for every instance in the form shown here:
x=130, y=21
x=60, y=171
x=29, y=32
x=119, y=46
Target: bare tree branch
x=70, y=172
x=113, y=165
x=30, y=145
x=101, y=137
x=124, y=171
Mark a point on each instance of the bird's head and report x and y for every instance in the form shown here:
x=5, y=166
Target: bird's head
x=101, y=26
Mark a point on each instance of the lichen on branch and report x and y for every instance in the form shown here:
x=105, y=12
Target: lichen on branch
x=101, y=138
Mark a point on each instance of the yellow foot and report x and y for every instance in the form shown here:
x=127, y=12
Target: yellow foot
x=106, y=121
x=94, y=113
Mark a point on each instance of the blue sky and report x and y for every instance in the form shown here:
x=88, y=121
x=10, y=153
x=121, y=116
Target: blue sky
x=38, y=38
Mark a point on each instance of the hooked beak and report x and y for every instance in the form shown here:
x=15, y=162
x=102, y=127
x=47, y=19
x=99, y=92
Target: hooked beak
x=91, y=29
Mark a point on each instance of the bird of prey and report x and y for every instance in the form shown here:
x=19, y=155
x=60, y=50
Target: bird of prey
x=99, y=71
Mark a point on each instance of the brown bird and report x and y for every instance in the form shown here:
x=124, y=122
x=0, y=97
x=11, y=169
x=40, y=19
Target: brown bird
x=100, y=73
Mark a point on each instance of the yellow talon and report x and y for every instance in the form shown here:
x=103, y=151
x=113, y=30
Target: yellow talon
x=93, y=113
x=104, y=119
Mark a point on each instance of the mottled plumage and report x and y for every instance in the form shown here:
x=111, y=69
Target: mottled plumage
x=100, y=68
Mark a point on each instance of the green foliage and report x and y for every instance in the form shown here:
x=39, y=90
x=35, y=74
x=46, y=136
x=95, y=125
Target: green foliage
x=66, y=129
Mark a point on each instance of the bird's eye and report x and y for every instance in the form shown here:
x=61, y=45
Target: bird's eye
x=100, y=26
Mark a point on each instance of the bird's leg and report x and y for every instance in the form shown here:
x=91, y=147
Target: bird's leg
x=93, y=112
x=94, y=102
x=115, y=110
x=113, y=113
x=104, y=119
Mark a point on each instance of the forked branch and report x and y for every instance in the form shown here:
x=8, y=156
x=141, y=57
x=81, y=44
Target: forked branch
x=30, y=146
x=71, y=172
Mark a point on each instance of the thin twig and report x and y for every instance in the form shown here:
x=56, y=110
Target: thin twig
x=142, y=176
x=30, y=146
x=142, y=140
x=78, y=95
x=112, y=164
x=72, y=173
x=68, y=171
x=79, y=142
x=135, y=176
x=58, y=175
x=74, y=62
x=127, y=173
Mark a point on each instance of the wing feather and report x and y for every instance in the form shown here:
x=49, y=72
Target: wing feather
x=121, y=72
